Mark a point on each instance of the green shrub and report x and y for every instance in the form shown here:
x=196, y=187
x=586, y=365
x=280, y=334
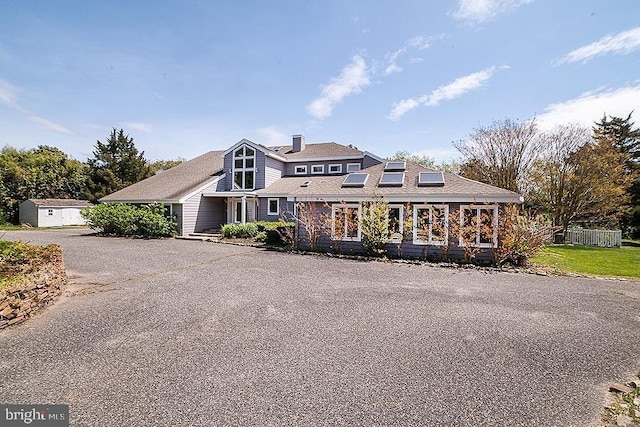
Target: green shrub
x=278, y=233
x=229, y=231
x=248, y=230
x=118, y=219
x=239, y=231
x=375, y=227
x=269, y=232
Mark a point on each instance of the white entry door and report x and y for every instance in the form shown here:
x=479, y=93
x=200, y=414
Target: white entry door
x=235, y=210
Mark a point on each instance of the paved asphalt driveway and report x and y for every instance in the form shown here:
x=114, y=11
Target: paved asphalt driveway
x=177, y=333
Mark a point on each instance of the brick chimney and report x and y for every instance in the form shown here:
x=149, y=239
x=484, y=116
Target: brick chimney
x=298, y=143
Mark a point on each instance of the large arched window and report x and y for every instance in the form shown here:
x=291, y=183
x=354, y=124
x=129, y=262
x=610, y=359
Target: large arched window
x=244, y=172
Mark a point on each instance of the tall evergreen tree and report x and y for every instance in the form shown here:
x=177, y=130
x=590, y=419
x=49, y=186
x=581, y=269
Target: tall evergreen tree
x=627, y=141
x=116, y=164
x=626, y=138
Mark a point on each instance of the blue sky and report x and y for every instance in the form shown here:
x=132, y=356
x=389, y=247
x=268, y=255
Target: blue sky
x=185, y=77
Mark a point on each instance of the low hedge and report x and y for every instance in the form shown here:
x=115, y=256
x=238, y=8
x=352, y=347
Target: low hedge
x=278, y=233
x=239, y=231
x=119, y=219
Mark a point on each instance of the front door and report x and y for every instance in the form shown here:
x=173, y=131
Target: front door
x=234, y=214
x=237, y=211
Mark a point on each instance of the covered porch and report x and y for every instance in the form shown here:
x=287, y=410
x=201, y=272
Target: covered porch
x=241, y=207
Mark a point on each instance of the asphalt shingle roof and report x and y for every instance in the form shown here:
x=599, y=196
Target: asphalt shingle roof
x=318, y=150
x=57, y=203
x=173, y=183
x=332, y=186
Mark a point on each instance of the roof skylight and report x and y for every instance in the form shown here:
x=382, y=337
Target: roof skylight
x=305, y=184
x=390, y=179
x=431, y=179
x=395, y=166
x=355, y=180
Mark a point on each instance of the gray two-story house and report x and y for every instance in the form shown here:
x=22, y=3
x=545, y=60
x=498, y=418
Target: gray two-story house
x=249, y=182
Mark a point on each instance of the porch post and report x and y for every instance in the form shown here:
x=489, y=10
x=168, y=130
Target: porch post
x=244, y=209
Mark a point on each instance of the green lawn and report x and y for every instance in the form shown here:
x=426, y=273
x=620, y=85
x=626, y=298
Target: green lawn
x=9, y=227
x=623, y=262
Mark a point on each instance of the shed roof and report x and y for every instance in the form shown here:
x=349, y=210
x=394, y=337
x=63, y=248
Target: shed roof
x=59, y=203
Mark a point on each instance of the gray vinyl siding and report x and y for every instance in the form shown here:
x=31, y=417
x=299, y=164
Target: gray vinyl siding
x=369, y=161
x=291, y=171
x=273, y=171
x=227, y=182
x=261, y=166
x=200, y=213
x=263, y=209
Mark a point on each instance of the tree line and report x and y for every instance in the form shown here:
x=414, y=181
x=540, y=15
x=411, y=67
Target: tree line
x=47, y=172
x=570, y=175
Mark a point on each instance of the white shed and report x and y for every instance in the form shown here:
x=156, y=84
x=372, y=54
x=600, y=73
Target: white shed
x=52, y=212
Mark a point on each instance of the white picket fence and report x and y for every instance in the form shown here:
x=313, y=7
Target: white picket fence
x=604, y=238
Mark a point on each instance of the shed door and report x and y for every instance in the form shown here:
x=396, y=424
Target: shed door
x=70, y=216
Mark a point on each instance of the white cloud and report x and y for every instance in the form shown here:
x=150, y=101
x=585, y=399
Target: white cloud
x=392, y=68
x=353, y=78
x=139, y=126
x=418, y=42
x=402, y=107
x=591, y=106
x=422, y=43
x=461, y=86
x=453, y=90
x=49, y=125
x=620, y=43
x=8, y=94
x=478, y=11
x=271, y=135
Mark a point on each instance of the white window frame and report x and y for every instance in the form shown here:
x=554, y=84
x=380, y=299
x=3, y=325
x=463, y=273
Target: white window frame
x=334, y=209
x=494, y=223
x=49, y=212
x=430, y=241
x=317, y=172
x=335, y=168
x=269, y=211
x=302, y=171
x=349, y=165
x=244, y=169
x=401, y=219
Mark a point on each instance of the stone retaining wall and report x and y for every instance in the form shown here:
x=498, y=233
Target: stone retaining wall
x=40, y=289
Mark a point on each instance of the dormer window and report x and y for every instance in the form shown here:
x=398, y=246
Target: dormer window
x=244, y=170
